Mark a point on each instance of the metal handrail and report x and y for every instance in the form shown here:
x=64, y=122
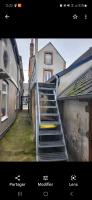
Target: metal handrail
x=55, y=92
x=34, y=82
x=37, y=110
x=56, y=85
x=37, y=124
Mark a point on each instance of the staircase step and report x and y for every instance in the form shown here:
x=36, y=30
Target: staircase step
x=48, y=107
x=45, y=88
x=51, y=138
x=52, y=156
x=48, y=124
x=51, y=144
x=49, y=132
x=48, y=94
x=49, y=114
x=48, y=100
x=46, y=85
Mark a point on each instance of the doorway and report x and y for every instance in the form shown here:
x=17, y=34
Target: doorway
x=25, y=102
x=47, y=74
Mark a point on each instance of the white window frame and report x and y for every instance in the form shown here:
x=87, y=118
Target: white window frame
x=45, y=60
x=46, y=76
x=5, y=92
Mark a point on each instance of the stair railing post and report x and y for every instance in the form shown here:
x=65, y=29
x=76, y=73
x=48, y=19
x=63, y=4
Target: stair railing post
x=36, y=124
x=37, y=110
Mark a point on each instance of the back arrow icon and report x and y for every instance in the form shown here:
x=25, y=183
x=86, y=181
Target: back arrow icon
x=71, y=193
x=7, y=16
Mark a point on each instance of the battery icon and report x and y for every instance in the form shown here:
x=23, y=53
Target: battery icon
x=18, y=5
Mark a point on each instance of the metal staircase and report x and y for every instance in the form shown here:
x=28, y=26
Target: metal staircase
x=50, y=141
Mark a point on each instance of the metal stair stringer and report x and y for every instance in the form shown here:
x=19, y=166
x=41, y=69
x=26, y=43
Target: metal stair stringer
x=50, y=141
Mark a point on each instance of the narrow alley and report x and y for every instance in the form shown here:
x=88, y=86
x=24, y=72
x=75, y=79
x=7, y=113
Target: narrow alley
x=38, y=79
x=18, y=143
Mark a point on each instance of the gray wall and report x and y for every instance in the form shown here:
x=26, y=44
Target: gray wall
x=13, y=71
x=12, y=108
x=76, y=127
x=12, y=68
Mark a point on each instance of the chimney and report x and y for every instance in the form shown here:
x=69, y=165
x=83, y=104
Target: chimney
x=31, y=48
x=36, y=46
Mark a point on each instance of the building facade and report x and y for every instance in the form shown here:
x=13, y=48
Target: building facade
x=48, y=61
x=75, y=105
x=11, y=83
x=43, y=65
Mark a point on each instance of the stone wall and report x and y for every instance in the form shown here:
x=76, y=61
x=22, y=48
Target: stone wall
x=76, y=127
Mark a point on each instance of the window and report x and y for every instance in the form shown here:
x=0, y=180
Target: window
x=48, y=58
x=4, y=102
x=47, y=75
x=5, y=59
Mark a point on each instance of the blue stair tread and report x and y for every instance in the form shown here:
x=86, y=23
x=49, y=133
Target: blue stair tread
x=45, y=88
x=49, y=132
x=50, y=122
x=49, y=85
x=51, y=144
x=49, y=114
x=49, y=94
x=60, y=156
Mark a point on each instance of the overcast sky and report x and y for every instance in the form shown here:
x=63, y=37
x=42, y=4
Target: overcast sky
x=70, y=49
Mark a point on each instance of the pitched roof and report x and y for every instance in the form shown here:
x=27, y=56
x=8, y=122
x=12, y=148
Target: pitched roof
x=49, y=43
x=82, y=59
x=81, y=87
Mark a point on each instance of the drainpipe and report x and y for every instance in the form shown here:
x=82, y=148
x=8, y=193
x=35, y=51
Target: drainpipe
x=36, y=46
x=31, y=48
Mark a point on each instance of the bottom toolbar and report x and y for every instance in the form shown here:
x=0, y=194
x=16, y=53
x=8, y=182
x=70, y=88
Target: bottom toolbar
x=45, y=180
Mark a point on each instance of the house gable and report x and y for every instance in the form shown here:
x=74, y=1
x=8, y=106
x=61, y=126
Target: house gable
x=53, y=47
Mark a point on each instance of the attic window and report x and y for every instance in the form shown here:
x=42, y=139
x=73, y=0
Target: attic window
x=48, y=58
x=5, y=59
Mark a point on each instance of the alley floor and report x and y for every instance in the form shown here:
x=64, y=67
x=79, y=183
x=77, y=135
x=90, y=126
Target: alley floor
x=18, y=143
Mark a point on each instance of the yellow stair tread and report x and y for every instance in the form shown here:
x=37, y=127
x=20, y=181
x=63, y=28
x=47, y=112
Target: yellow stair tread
x=48, y=126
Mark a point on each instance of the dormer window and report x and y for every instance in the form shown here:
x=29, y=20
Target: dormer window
x=48, y=58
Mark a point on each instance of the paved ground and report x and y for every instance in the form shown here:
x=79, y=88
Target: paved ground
x=18, y=143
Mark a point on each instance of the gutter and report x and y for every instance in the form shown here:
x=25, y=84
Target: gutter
x=77, y=97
